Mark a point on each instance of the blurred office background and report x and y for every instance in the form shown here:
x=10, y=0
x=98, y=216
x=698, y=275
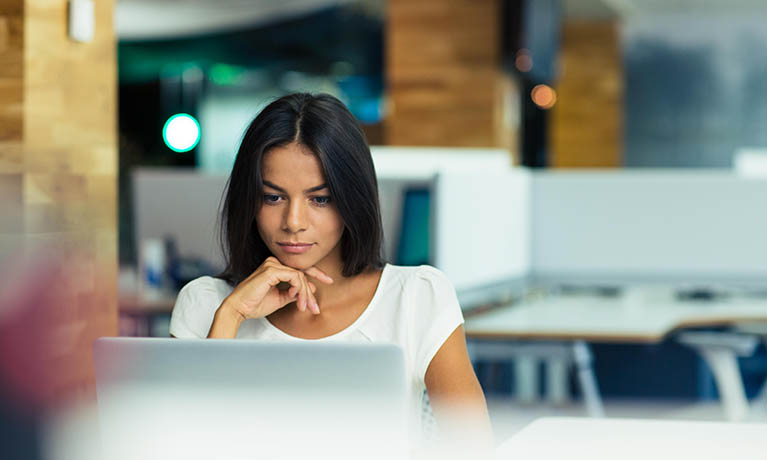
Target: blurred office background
x=551, y=85
x=554, y=83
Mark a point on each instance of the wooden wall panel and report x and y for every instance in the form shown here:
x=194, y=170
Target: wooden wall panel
x=587, y=120
x=443, y=74
x=11, y=122
x=11, y=82
x=58, y=175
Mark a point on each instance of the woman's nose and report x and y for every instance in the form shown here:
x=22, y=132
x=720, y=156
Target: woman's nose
x=295, y=220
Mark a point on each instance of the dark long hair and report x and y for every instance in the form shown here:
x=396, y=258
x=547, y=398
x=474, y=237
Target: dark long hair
x=326, y=127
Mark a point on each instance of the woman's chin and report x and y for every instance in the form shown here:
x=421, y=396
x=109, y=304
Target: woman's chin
x=295, y=261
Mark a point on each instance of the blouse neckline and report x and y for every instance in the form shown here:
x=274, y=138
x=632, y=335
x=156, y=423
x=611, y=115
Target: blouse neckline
x=345, y=331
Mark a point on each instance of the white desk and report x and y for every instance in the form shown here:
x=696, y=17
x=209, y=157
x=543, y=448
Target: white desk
x=638, y=317
x=624, y=319
x=595, y=439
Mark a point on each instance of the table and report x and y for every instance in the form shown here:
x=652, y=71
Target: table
x=558, y=328
x=141, y=309
x=595, y=439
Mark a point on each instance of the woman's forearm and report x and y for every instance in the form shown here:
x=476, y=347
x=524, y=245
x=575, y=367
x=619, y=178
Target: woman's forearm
x=465, y=417
x=226, y=322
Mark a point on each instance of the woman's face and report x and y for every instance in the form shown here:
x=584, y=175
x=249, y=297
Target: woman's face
x=298, y=220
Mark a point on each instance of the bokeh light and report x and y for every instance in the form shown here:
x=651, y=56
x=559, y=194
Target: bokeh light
x=181, y=132
x=544, y=96
x=524, y=60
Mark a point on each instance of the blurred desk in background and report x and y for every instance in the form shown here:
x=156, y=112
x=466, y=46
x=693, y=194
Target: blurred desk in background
x=582, y=438
x=139, y=313
x=139, y=309
x=596, y=318
x=556, y=328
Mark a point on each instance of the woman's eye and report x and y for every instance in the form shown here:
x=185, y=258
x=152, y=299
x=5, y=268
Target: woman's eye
x=269, y=199
x=322, y=200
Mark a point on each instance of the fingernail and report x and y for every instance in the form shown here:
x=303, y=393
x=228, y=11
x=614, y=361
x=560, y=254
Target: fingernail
x=316, y=308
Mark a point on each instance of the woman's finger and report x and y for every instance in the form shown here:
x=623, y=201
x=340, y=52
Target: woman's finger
x=286, y=297
x=318, y=274
x=297, y=284
x=311, y=301
x=302, y=303
x=307, y=293
x=269, y=262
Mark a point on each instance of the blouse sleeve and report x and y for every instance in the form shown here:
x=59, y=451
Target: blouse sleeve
x=195, y=307
x=437, y=315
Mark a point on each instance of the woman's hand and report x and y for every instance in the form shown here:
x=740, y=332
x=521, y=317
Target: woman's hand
x=258, y=295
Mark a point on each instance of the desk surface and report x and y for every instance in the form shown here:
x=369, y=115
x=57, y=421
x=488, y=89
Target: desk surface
x=134, y=303
x=609, y=319
x=594, y=439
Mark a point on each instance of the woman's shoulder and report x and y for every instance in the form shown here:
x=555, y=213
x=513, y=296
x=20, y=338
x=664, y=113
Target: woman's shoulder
x=419, y=276
x=416, y=271
x=429, y=310
x=205, y=285
x=195, y=306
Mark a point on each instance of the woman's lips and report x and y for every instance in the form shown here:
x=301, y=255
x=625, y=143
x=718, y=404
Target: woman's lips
x=295, y=248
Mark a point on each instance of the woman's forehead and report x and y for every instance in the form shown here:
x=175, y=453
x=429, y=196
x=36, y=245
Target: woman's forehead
x=292, y=165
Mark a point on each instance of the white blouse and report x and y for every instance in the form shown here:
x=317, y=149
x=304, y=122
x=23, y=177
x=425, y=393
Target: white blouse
x=413, y=307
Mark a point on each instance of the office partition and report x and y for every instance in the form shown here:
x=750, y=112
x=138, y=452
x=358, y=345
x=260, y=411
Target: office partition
x=481, y=226
x=649, y=225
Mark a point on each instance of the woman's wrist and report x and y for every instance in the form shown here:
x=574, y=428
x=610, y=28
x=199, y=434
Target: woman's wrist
x=226, y=321
x=229, y=307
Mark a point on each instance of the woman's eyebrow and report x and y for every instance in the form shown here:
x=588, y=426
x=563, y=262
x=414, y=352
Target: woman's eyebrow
x=314, y=189
x=309, y=190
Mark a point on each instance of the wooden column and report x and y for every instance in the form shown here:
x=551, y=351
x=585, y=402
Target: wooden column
x=443, y=74
x=58, y=180
x=587, y=120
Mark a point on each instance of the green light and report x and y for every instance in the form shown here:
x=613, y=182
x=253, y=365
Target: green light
x=224, y=74
x=181, y=132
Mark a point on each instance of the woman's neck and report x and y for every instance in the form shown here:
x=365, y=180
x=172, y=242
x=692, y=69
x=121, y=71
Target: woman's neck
x=342, y=287
x=333, y=266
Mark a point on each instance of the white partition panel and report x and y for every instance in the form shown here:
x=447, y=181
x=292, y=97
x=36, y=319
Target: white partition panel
x=481, y=226
x=422, y=163
x=651, y=224
x=401, y=168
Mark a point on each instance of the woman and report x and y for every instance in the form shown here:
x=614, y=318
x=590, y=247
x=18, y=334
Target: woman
x=301, y=229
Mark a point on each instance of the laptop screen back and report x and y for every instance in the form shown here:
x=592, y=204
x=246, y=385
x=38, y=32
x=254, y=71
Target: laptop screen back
x=191, y=399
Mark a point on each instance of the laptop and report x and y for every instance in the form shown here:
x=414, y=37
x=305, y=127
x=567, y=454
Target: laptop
x=239, y=399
